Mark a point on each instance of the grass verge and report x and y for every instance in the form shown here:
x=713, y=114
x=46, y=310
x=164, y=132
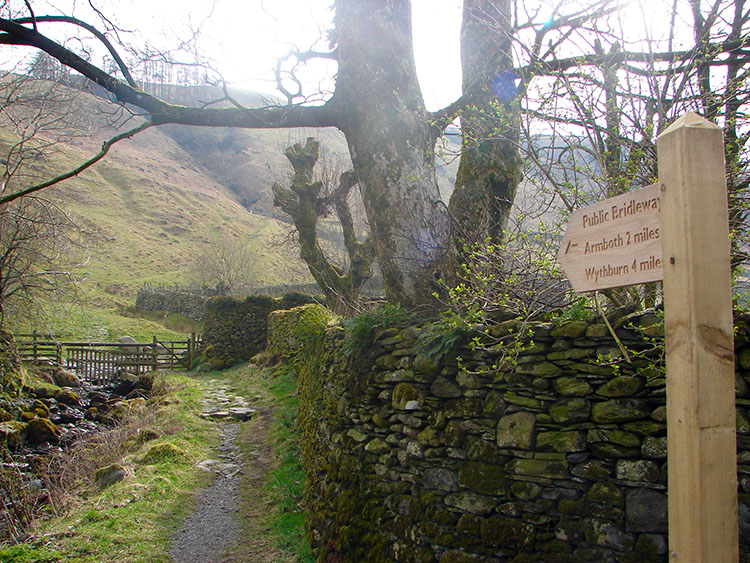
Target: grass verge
x=132, y=520
x=286, y=480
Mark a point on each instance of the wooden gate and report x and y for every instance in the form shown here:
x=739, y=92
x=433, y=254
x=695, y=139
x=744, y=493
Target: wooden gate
x=101, y=366
x=103, y=362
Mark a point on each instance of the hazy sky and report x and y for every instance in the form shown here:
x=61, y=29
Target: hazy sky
x=245, y=38
x=250, y=39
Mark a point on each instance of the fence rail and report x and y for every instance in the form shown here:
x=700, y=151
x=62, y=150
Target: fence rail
x=103, y=362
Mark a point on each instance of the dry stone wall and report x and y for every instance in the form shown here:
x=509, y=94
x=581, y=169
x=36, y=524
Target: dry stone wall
x=236, y=329
x=188, y=303
x=549, y=454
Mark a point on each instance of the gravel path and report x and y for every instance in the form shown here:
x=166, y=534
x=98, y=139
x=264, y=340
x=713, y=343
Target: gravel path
x=213, y=527
x=214, y=533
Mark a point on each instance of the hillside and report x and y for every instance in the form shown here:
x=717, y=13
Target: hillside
x=147, y=208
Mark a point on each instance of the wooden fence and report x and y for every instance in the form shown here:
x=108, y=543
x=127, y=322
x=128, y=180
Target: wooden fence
x=102, y=362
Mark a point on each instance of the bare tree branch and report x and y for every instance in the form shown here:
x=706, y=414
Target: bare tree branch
x=91, y=29
x=93, y=160
x=161, y=111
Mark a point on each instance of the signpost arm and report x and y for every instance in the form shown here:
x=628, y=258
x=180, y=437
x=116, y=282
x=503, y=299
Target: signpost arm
x=702, y=454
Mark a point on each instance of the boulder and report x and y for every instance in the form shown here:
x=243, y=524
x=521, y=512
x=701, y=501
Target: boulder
x=119, y=410
x=147, y=434
x=163, y=452
x=68, y=397
x=64, y=378
x=129, y=345
x=126, y=383
x=12, y=433
x=109, y=475
x=41, y=408
x=40, y=430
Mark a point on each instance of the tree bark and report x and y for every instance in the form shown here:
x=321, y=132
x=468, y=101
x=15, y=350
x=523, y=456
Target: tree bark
x=490, y=168
x=380, y=109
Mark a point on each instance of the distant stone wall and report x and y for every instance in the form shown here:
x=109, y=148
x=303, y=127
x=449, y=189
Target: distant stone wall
x=553, y=455
x=190, y=304
x=235, y=330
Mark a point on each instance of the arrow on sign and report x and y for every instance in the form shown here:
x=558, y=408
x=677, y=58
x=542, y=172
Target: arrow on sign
x=615, y=242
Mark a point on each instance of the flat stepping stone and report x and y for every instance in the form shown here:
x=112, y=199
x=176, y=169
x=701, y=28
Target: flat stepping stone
x=242, y=413
x=217, y=466
x=217, y=414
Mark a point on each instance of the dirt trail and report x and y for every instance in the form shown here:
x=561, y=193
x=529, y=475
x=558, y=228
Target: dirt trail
x=229, y=523
x=213, y=526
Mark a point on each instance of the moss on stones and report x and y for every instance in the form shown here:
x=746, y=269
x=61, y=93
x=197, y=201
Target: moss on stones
x=561, y=441
x=593, y=470
x=621, y=386
x=517, y=430
x=109, y=475
x=637, y=470
x=570, y=354
x=478, y=449
x=554, y=469
x=482, y=477
x=572, y=386
x=40, y=430
x=12, y=434
x=494, y=404
x=620, y=410
x=471, y=502
x=525, y=490
x=614, y=436
x=12, y=374
x=406, y=397
x=570, y=329
x=68, y=397
x=542, y=369
x=570, y=410
x=502, y=532
x=159, y=453
x=604, y=533
x=606, y=493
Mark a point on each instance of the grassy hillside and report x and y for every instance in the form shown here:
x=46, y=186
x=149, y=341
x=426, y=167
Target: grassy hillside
x=146, y=209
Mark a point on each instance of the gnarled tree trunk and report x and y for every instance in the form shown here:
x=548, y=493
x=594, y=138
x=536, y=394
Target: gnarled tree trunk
x=302, y=200
x=380, y=109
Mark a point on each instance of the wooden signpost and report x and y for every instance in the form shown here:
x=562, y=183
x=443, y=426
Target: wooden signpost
x=692, y=225
x=614, y=242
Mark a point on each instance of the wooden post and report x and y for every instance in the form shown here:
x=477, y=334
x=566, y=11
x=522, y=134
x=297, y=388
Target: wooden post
x=702, y=453
x=155, y=357
x=191, y=350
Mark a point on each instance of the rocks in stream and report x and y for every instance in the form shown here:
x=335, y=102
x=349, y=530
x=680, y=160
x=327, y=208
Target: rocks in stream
x=65, y=378
x=53, y=414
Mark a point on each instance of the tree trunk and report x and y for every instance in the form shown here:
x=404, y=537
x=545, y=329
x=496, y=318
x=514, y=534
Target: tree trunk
x=303, y=202
x=380, y=109
x=490, y=168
